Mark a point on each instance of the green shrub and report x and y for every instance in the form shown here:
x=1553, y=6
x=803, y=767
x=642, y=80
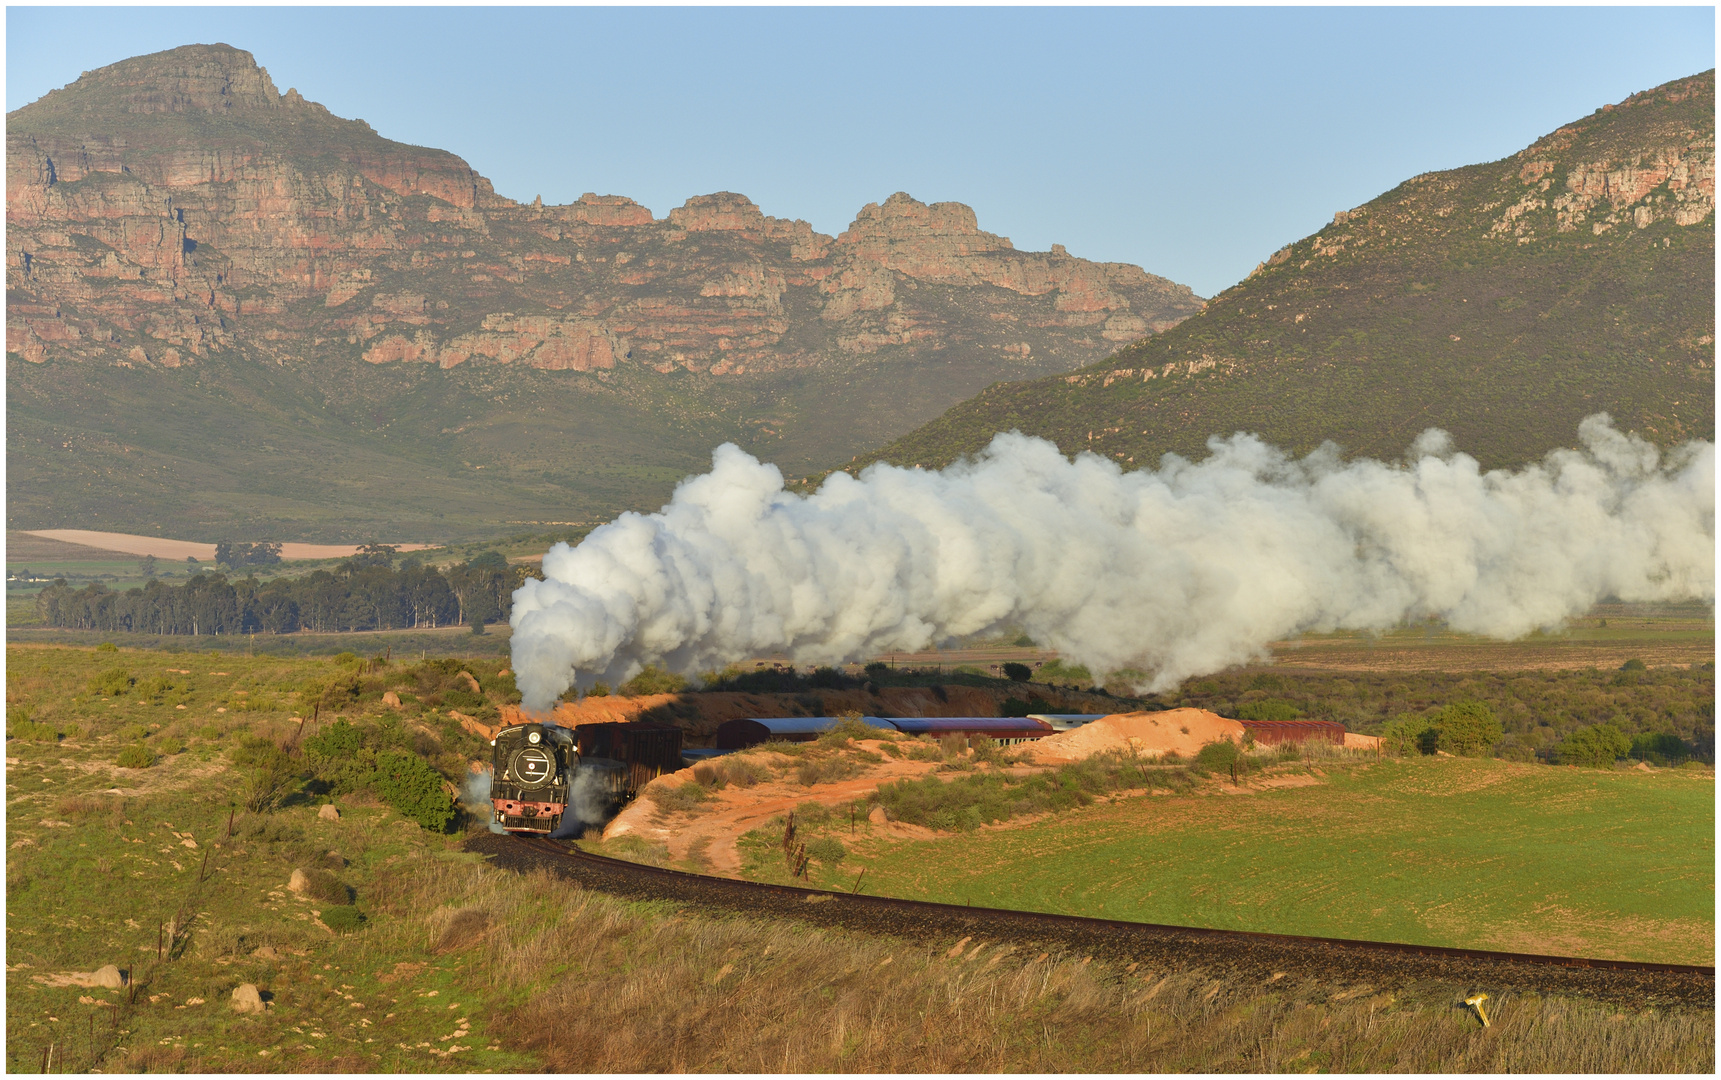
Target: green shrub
x=270, y=774
x=107, y=646
x=1468, y=729
x=877, y=668
x=849, y=726
x=1018, y=673
x=1634, y=664
x=407, y=782
x=1058, y=671
x=156, y=689
x=826, y=851
x=679, y=798
x=29, y=730
x=135, y=757
x=169, y=745
x=653, y=680
x=1661, y=747
x=1405, y=732
x=464, y=700
x=969, y=801
x=743, y=770
x=322, y=886
x=340, y=741
x=1596, y=746
x=1218, y=756
x=825, y=770
x=112, y=683
x=827, y=678
x=1268, y=710
x=342, y=919
x=708, y=776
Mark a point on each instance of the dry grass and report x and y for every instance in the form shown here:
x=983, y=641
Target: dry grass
x=609, y=986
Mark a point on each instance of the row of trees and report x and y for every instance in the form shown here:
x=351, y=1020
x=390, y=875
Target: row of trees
x=365, y=592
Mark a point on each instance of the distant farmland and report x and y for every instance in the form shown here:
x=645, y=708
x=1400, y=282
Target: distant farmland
x=1459, y=852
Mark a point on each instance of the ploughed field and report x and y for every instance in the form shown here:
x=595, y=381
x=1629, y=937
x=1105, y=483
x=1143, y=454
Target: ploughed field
x=1460, y=852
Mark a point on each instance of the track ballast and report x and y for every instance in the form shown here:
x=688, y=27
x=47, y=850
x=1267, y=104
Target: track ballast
x=1237, y=954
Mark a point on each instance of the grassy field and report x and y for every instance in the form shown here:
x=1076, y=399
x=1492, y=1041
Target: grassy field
x=1440, y=851
x=1605, y=637
x=460, y=967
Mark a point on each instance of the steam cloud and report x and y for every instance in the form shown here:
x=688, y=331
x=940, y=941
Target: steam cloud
x=475, y=794
x=1164, y=574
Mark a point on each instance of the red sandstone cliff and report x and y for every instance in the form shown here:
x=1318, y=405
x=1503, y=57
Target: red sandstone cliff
x=174, y=204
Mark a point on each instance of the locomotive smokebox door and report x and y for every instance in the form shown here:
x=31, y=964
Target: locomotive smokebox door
x=534, y=764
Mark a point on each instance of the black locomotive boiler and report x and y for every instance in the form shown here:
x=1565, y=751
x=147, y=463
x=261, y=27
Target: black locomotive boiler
x=531, y=773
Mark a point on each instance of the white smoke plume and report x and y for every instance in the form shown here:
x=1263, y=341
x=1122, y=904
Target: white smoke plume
x=1167, y=573
x=475, y=794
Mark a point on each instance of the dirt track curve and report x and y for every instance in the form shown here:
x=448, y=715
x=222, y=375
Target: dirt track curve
x=1229, y=953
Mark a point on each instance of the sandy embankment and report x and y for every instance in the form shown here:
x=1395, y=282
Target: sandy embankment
x=734, y=811
x=1181, y=731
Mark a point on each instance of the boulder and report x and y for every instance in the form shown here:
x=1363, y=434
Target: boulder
x=391, y=699
x=246, y=999
x=470, y=681
x=877, y=816
x=1642, y=766
x=109, y=976
x=328, y=813
x=298, y=883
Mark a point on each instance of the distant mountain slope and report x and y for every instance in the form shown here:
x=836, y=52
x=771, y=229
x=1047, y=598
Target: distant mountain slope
x=273, y=318
x=1502, y=302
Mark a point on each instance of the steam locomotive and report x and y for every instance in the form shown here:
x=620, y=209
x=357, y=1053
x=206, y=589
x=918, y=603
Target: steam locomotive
x=532, y=774
x=533, y=767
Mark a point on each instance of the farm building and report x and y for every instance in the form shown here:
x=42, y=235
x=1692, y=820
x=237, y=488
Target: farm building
x=1274, y=732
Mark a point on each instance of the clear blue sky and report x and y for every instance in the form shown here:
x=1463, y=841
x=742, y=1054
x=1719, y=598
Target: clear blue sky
x=1191, y=141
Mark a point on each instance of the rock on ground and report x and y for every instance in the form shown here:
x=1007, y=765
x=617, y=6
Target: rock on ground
x=328, y=813
x=246, y=999
x=109, y=976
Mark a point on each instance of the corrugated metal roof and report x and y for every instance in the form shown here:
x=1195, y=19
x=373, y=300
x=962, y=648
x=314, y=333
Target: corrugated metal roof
x=1067, y=721
x=918, y=725
x=804, y=725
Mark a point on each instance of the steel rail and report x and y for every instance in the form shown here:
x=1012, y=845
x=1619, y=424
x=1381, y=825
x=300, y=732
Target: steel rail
x=1632, y=980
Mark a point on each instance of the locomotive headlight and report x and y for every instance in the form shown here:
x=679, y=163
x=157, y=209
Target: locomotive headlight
x=534, y=737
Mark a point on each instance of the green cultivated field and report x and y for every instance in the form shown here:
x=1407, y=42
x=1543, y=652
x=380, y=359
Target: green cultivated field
x=1474, y=853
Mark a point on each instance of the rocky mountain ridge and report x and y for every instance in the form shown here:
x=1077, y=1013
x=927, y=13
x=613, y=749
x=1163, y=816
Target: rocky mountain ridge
x=1503, y=302
x=177, y=204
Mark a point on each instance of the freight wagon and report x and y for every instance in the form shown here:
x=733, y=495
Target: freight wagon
x=627, y=756
x=739, y=734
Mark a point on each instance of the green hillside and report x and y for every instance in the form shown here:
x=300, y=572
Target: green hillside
x=1502, y=302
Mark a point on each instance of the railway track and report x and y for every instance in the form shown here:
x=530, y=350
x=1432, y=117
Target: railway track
x=1237, y=954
